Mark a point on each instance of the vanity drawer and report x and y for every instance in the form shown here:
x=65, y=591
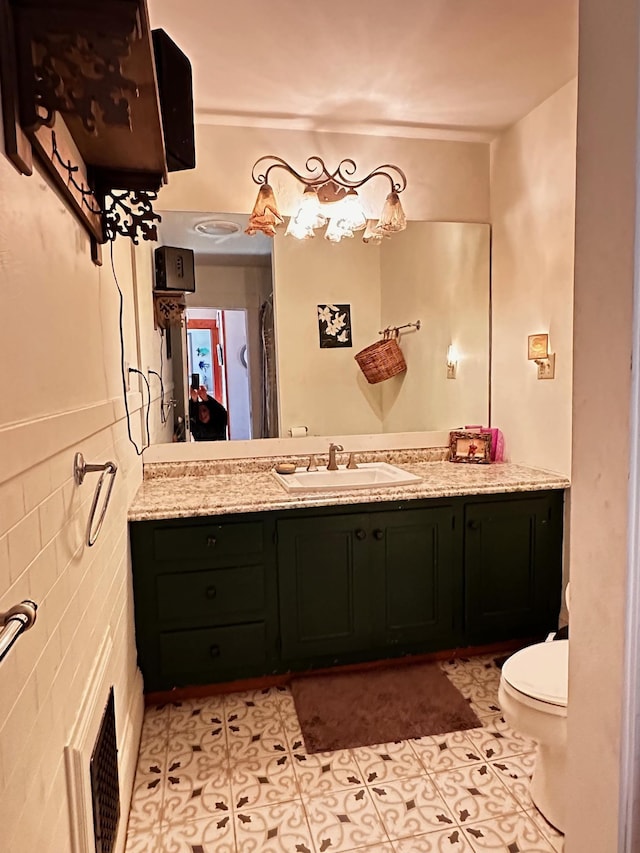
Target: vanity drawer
x=214, y=543
x=188, y=596
x=211, y=654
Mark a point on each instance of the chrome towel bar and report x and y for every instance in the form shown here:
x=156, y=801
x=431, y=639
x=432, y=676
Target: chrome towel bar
x=80, y=470
x=14, y=622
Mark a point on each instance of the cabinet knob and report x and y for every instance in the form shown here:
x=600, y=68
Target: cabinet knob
x=211, y=541
x=211, y=592
x=214, y=651
x=473, y=525
x=378, y=533
x=361, y=534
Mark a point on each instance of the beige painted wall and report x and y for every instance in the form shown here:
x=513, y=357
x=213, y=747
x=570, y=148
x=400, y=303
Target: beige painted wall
x=62, y=393
x=606, y=241
x=532, y=212
x=324, y=389
x=438, y=274
x=447, y=181
x=435, y=272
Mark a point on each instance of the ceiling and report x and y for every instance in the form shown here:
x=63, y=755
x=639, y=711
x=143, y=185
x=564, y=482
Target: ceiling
x=423, y=68
x=178, y=228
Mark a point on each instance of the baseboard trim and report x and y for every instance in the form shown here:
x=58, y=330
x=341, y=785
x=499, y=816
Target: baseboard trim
x=263, y=682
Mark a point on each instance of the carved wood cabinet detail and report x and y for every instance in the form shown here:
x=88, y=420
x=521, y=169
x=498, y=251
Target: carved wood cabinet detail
x=80, y=91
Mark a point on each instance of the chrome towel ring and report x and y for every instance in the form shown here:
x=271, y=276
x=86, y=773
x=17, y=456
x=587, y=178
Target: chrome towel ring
x=80, y=470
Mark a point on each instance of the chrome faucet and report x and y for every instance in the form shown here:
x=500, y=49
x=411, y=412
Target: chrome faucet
x=333, y=465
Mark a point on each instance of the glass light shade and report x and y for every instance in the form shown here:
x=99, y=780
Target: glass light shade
x=309, y=214
x=371, y=233
x=350, y=214
x=392, y=218
x=307, y=217
x=265, y=214
x=298, y=230
x=336, y=230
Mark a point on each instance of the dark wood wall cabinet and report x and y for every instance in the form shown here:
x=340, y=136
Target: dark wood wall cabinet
x=80, y=89
x=232, y=597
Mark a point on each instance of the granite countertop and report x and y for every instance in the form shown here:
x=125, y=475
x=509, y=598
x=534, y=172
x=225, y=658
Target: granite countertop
x=247, y=490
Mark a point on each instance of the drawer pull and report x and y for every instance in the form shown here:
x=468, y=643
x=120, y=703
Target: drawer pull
x=211, y=592
x=474, y=525
x=361, y=534
x=378, y=533
x=214, y=651
x=211, y=541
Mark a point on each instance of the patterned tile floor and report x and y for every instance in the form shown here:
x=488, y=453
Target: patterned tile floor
x=229, y=774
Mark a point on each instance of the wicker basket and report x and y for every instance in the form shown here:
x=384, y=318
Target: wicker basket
x=382, y=360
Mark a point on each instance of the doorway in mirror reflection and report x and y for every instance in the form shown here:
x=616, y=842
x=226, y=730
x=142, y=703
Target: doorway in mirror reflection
x=216, y=345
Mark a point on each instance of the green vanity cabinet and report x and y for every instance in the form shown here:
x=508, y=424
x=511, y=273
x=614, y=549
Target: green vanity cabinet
x=237, y=596
x=513, y=566
x=366, y=582
x=205, y=594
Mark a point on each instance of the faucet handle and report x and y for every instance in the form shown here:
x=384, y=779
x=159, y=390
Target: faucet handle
x=336, y=447
x=313, y=465
x=352, y=461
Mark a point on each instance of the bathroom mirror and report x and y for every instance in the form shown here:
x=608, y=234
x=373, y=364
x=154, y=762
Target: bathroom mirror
x=258, y=322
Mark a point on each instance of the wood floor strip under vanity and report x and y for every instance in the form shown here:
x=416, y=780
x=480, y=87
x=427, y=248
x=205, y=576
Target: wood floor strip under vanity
x=196, y=691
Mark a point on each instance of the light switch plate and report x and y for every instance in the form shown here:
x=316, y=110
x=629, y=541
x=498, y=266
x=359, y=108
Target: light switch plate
x=547, y=367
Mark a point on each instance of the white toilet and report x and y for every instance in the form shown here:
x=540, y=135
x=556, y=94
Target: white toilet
x=533, y=698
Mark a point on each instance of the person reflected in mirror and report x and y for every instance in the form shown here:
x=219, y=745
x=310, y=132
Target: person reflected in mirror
x=208, y=417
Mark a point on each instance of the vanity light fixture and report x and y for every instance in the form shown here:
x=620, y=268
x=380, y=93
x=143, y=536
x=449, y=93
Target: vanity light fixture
x=329, y=198
x=538, y=352
x=452, y=362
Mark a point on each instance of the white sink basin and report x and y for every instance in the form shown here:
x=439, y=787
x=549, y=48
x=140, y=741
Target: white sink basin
x=368, y=475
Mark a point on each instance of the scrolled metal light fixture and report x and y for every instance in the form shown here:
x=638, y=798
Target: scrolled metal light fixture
x=329, y=198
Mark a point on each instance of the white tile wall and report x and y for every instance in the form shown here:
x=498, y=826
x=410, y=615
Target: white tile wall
x=70, y=308
x=80, y=591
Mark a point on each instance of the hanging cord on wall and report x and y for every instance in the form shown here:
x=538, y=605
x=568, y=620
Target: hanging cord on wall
x=139, y=450
x=148, y=412
x=163, y=412
x=163, y=417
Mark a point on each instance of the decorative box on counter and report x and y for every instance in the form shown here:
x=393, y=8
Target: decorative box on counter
x=476, y=444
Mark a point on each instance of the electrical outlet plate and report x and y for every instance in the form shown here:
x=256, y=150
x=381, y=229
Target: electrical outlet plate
x=547, y=366
x=451, y=370
x=127, y=375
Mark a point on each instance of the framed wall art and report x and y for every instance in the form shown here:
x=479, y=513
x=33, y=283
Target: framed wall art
x=334, y=326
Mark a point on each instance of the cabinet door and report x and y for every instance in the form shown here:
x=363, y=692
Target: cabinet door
x=513, y=567
x=324, y=586
x=413, y=551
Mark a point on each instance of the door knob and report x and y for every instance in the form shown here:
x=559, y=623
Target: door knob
x=474, y=525
x=211, y=592
x=214, y=651
x=361, y=534
x=378, y=533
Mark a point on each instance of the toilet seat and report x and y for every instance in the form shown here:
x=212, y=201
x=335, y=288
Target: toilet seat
x=541, y=673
